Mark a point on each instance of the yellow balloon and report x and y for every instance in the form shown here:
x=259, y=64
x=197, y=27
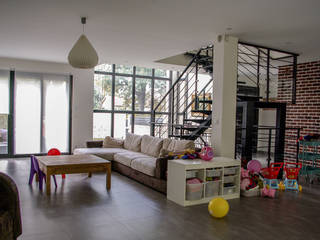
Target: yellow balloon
x=218, y=207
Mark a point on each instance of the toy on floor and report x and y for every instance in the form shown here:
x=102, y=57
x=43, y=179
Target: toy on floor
x=309, y=137
x=218, y=207
x=254, y=166
x=268, y=192
x=206, y=153
x=249, y=180
x=292, y=172
x=270, y=175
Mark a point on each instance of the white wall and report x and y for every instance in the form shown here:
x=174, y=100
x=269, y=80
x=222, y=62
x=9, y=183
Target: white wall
x=267, y=117
x=225, y=96
x=82, y=106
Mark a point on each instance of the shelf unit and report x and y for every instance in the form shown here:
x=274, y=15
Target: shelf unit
x=311, y=154
x=177, y=176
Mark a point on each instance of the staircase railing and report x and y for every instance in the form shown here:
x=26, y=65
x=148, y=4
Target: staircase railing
x=258, y=72
x=175, y=105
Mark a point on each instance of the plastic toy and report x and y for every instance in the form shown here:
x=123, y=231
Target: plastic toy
x=268, y=192
x=206, y=153
x=254, y=166
x=270, y=175
x=218, y=207
x=186, y=154
x=292, y=172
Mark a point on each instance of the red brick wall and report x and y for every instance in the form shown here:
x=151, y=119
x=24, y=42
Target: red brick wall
x=306, y=112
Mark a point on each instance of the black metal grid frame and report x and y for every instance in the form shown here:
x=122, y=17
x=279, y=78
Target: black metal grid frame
x=249, y=124
x=290, y=59
x=113, y=111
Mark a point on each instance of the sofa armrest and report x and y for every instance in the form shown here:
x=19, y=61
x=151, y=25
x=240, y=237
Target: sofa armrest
x=11, y=202
x=162, y=167
x=94, y=144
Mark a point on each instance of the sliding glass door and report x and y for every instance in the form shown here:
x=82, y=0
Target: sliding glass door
x=55, y=117
x=41, y=113
x=27, y=113
x=4, y=111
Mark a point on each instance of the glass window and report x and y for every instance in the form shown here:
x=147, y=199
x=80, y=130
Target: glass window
x=143, y=94
x=4, y=111
x=142, y=124
x=161, y=126
x=124, y=69
x=27, y=113
x=161, y=73
x=123, y=93
x=161, y=87
x=55, y=113
x=4, y=92
x=122, y=124
x=102, y=92
x=104, y=68
x=101, y=125
x=143, y=71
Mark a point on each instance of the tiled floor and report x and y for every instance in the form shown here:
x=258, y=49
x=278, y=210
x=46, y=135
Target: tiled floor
x=82, y=209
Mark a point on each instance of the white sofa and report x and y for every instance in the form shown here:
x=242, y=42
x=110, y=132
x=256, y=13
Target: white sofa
x=142, y=158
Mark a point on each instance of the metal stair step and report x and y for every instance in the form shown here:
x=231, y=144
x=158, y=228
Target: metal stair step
x=189, y=128
x=207, y=112
x=186, y=136
x=195, y=120
x=205, y=101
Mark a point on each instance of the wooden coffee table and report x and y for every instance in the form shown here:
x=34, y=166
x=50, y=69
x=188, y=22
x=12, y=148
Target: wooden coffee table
x=52, y=165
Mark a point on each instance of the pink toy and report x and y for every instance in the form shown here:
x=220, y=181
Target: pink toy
x=254, y=166
x=193, y=181
x=265, y=192
x=206, y=153
x=244, y=183
x=244, y=173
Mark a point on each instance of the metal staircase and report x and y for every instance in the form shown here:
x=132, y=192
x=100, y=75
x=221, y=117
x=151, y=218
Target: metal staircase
x=185, y=112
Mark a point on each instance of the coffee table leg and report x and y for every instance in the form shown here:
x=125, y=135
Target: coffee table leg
x=108, y=176
x=48, y=184
x=89, y=174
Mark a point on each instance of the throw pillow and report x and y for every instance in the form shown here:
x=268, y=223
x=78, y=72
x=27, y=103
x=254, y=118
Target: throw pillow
x=133, y=142
x=110, y=142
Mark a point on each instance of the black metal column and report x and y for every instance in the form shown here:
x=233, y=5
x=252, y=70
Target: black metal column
x=268, y=74
x=280, y=133
x=70, y=112
x=11, y=114
x=294, y=79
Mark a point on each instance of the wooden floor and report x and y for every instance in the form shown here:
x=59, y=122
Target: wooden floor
x=82, y=209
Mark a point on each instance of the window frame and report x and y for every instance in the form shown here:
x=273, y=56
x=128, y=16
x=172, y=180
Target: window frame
x=132, y=111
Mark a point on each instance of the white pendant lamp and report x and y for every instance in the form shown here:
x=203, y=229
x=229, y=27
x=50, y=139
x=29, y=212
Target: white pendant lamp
x=82, y=54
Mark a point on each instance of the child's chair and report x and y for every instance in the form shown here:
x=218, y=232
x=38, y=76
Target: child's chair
x=35, y=169
x=55, y=152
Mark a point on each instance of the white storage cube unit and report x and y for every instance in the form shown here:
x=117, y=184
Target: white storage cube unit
x=191, y=173
x=212, y=188
x=220, y=177
x=194, y=191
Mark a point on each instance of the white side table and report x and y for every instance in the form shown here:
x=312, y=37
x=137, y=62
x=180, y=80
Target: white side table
x=226, y=181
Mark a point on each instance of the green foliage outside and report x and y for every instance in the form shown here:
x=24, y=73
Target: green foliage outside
x=123, y=88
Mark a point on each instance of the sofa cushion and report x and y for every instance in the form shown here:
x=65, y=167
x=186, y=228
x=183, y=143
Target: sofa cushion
x=110, y=142
x=151, y=145
x=126, y=157
x=145, y=165
x=133, y=142
x=177, y=145
x=106, y=153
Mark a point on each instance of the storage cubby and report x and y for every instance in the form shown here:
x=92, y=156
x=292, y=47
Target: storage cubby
x=219, y=177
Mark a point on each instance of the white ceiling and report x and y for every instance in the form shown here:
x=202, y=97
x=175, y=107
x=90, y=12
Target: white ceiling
x=143, y=31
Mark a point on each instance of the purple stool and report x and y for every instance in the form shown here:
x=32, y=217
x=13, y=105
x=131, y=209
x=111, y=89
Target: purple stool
x=36, y=170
